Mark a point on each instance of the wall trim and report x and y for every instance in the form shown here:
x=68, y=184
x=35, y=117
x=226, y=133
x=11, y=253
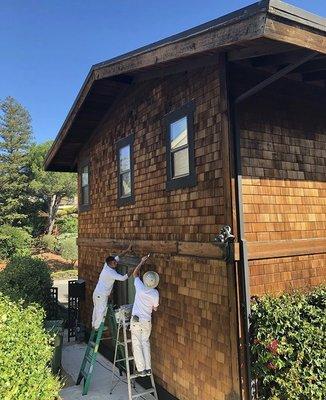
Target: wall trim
x=195, y=249
x=256, y=250
x=286, y=248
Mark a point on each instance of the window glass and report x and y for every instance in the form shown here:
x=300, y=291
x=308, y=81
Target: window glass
x=84, y=180
x=126, y=184
x=180, y=147
x=85, y=195
x=181, y=163
x=179, y=133
x=124, y=155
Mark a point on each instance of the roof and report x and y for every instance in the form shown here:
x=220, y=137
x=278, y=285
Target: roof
x=264, y=28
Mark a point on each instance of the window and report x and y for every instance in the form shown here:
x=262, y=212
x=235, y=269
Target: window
x=125, y=171
x=180, y=148
x=84, y=203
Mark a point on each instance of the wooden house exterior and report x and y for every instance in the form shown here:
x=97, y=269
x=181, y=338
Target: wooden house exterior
x=246, y=97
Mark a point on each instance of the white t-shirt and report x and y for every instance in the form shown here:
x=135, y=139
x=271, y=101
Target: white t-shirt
x=145, y=300
x=106, y=280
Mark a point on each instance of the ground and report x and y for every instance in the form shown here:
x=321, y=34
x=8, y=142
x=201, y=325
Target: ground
x=72, y=356
x=60, y=267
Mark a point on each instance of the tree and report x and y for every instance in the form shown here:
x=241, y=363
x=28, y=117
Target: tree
x=48, y=187
x=15, y=140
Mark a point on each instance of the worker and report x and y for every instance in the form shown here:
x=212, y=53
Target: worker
x=146, y=300
x=104, y=286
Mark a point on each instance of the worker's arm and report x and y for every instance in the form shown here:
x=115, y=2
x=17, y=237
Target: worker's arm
x=156, y=303
x=126, y=251
x=137, y=269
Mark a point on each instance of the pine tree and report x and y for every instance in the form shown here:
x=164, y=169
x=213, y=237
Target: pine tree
x=15, y=140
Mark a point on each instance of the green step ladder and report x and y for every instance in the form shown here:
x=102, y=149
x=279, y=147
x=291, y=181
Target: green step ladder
x=87, y=366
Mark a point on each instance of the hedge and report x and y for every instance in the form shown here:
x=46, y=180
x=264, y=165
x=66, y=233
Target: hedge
x=288, y=336
x=28, y=279
x=14, y=242
x=25, y=354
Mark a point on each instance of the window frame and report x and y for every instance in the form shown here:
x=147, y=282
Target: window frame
x=188, y=180
x=127, y=141
x=82, y=206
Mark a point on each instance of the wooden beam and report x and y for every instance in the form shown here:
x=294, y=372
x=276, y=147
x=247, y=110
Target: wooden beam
x=183, y=66
x=152, y=246
x=279, y=59
x=196, y=249
x=279, y=74
x=225, y=35
x=258, y=51
x=294, y=34
x=206, y=250
x=286, y=248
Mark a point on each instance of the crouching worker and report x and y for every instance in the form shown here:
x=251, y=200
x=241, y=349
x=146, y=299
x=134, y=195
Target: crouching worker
x=104, y=287
x=146, y=300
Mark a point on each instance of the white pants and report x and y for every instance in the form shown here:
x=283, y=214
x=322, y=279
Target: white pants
x=140, y=333
x=100, y=303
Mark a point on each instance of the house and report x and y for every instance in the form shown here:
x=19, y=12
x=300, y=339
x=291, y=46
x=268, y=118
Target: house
x=221, y=125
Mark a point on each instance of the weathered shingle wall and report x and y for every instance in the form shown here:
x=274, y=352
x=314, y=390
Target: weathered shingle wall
x=194, y=328
x=190, y=214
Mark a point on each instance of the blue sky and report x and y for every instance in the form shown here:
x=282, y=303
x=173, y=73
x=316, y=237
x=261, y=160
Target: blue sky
x=48, y=46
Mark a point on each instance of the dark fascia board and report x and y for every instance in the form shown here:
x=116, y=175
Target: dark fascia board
x=274, y=7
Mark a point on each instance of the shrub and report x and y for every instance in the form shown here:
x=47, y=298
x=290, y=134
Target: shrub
x=68, y=224
x=67, y=210
x=28, y=279
x=288, y=346
x=25, y=353
x=48, y=242
x=14, y=242
x=67, y=247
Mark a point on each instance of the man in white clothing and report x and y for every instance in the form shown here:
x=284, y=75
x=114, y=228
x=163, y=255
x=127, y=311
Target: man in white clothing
x=104, y=287
x=146, y=300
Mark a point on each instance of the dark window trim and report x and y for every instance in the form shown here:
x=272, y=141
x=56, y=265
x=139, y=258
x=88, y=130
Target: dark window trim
x=189, y=180
x=84, y=207
x=127, y=141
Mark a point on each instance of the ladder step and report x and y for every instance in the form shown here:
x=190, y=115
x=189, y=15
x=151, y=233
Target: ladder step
x=123, y=343
x=148, y=391
x=124, y=359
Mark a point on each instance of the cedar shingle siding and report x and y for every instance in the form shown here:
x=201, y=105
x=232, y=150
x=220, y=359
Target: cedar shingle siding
x=191, y=337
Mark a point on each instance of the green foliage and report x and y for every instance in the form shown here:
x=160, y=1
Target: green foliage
x=15, y=140
x=48, y=242
x=47, y=187
x=288, y=346
x=14, y=242
x=68, y=210
x=68, y=224
x=67, y=246
x=28, y=279
x=25, y=353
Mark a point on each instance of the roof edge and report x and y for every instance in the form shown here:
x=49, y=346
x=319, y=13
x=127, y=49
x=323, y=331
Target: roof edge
x=288, y=11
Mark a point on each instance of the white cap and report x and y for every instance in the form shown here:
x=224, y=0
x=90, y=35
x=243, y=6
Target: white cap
x=117, y=258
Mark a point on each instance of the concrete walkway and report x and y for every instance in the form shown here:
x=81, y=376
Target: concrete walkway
x=62, y=285
x=100, y=385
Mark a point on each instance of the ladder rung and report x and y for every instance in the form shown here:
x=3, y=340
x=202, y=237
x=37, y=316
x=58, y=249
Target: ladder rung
x=123, y=343
x=124, y=359
x=148, y=391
